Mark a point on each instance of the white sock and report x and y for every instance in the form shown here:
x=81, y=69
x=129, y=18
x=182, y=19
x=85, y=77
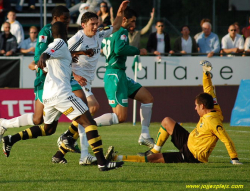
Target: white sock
x=83, y=141
x=145, y=113
x=23, y=120
x=157, y=148
x=119, y=158
x=107, y=119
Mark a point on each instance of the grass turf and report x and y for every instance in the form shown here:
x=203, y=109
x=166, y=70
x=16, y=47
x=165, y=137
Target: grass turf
x=29, y=166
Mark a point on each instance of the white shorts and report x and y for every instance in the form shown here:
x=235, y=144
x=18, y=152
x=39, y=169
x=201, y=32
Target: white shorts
x=87, y=89
x=72, y=107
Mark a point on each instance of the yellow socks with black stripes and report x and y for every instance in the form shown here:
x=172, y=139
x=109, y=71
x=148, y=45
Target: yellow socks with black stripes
x=95, y=143
x=30, y=133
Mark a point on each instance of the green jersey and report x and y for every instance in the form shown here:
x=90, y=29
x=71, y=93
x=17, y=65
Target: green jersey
x=44, y=39
x=116, y=49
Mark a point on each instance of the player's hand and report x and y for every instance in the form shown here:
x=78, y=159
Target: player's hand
x=210, y=54
x=143, y=51
x=89, y=52
x=123, y=5
x=152, y=13
x=236, y=162
x=75, y=58
x=81, y=80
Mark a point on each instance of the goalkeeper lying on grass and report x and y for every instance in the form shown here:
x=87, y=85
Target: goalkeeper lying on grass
x=194, y=147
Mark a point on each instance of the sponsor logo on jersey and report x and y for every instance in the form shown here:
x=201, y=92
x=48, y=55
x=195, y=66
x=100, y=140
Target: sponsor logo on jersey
x=106, y=28
x=111, y=101
x=43, y=38
x=124, y=100
x=68, y=111
x=87, y=46
x=101, y=35
x=201, y=125
x=52, y=50
x=124, y=37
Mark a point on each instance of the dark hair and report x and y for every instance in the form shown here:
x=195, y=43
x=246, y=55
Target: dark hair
x=159, y=21
x=59, y=10
x=87, y=16
x=58, y=28
x=205, y=99
x=129, y=13
x=185, y=26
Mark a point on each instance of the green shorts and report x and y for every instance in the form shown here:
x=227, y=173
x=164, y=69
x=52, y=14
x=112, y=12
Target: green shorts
x=38, y=90
x=119, y=87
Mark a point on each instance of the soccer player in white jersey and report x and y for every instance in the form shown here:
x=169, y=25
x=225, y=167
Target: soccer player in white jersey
x=59, y=99
x=90, y=38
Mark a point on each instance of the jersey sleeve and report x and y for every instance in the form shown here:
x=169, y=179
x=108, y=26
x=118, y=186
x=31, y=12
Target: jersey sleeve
x=122, y=47
x=55, y=50
x=74, y=42
x=220, y=132
x=42, y=43
x=105, y=31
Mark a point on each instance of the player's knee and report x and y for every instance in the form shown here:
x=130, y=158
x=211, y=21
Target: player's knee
x=121, y=118
x=37, y=120
x=149, y=99
x=165, y=122
x=94, y=109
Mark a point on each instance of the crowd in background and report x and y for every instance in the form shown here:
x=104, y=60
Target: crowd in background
x=235, y=42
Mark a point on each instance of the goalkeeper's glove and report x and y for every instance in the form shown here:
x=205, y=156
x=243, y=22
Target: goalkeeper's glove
x=236, y=161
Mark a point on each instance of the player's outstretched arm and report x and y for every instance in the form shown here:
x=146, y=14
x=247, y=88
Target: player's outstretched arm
x=119, y=16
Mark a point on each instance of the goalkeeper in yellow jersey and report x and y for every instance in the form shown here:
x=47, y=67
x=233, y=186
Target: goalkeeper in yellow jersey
x=194, y=147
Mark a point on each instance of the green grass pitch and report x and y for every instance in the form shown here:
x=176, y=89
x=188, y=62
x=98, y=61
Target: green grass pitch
x=29, y=166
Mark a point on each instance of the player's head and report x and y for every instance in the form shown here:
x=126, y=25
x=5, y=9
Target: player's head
x=203, y=102
x=59, y=30
x=129, y=18
x=60, y=14
x=89, y=22
x=11, y=16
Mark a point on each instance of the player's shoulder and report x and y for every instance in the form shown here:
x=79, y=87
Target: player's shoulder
x=104, y=28
x=45, y=30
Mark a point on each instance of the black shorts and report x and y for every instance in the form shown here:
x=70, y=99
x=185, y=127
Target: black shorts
x=179, y=139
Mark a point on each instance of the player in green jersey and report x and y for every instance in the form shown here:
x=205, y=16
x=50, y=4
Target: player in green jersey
x=118, y=86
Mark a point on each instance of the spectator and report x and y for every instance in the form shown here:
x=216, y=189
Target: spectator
x=29, y=44
x=208, y=42
x=135, y=35
x=19, y=5
x=247, y=45
x=104, y=13
x=237, y=27
x=8, y=42
x=94, y=6
x=68, y=3
x=232, y=42
x=185, y=43
x=159, y=41
x=246, y=30
x=16, y=27
x=82, y=9
x=201, y=23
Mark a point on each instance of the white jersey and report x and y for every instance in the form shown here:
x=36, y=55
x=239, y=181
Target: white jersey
x=86, y=66
x=57, y=82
